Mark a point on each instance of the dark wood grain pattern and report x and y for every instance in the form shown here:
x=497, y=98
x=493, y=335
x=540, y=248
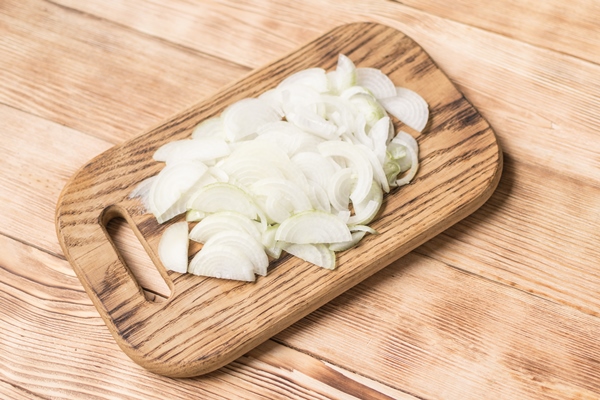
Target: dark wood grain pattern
x=207, y=323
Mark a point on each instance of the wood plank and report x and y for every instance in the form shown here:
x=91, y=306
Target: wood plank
x=251, y=34
x=512, y=83
x=37, y=158
x=570, y=28
x=54, y=344
x=96, y=76
x=538, y=233
x=439, y=332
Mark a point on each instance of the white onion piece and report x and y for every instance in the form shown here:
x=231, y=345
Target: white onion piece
x=358, y=162
x=315, y=167
x=202, y=149
x=379, y=134
x=244, y=117
x=356, y=237
x=378, y=83
x=317, y=254
x=360, y=126
x=167, y=197
x=315, y=78
x=142, y=190
x=344, y=215
x=223, y=197
x=211, y=127
x=363, y=228
x=194, y=215
x=339, y=189
x=344, y=75
x=246, y=244
x=310, y=121
x=365, y=211
x=222, y=261
x=406, y=139
x=224, y=221
x=286, y=189
x=409, y=107
x=366, y=214
x=367, y=106
x=318, y=197
x=288, y=137
x=173, y=247
x=378, y=172
x=272, y=247
x=313, y=227
x=299, y=97
x=414, y=166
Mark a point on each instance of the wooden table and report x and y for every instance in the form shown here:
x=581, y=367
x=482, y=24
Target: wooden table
x=504, y=304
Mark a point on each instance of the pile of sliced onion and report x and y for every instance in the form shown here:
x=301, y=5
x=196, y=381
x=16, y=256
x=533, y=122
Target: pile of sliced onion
x=301, y=169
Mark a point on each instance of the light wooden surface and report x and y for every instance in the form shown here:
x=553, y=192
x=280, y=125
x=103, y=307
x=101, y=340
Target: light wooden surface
x=502, y=305
x=206, y=323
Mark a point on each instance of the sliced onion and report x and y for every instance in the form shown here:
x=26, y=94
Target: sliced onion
x=223, y=197
x=343, y=77
x=245, y=243
x=224, y=221
x=273, y=248
x=414, y=166
x=358, y=162
x=379, y=134
x=280, y=171
x=288, y=137
x=409, y=107
x=194, y=215
x=313, y=227
x=211, y=127
x=173, y=247
x=376, y=82
x=367, y=106
x=362, y=228
x=244, y=117
x=315, y=78
x=202, y=149
x=142, y=190
x=317, y=254
x=339, y=189
x=168, y=194
x=365, y=211
x=356, y=237
x=222, y=261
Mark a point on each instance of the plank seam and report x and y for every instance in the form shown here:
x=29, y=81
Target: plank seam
x=27, y=391
x=494, y=32
x=345, y=368
x=536, y=295
x=43, y=250
x=145, y=34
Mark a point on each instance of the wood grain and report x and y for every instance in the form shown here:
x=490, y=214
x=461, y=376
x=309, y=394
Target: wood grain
x=447, y=333
x=102, y=78
x=460, y=167
x=55, y=345
x=531, y=69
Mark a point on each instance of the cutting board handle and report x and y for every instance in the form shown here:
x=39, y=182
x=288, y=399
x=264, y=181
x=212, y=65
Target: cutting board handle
x=109, y=281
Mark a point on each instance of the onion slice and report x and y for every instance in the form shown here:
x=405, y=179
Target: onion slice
x=173, y=247
x=409, y=107
x=313, y=227
x=317, y=254
x=222, y=261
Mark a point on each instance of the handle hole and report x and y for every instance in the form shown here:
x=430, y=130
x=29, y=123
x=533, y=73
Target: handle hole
x=137, y=260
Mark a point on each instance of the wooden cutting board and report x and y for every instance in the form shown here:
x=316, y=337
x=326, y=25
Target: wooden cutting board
x=207, y=323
